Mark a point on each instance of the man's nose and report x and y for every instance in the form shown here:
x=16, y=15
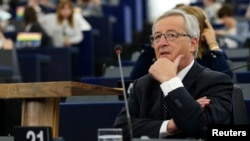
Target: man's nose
x=163, y=39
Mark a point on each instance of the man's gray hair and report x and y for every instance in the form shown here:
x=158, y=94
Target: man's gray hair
x=191, y=23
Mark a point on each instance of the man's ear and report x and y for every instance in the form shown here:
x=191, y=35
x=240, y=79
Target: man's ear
x=194, y=44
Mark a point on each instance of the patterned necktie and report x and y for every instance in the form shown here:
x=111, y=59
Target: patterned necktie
x=164, y=109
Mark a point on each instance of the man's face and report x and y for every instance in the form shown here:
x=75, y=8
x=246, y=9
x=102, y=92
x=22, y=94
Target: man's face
x=182, y=45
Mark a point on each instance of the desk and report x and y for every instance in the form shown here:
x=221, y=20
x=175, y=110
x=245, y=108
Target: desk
x=41, y=99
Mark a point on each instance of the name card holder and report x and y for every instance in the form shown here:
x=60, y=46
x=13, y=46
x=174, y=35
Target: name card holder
x=32, y=133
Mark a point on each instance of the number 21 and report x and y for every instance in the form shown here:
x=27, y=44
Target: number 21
x=32, y=136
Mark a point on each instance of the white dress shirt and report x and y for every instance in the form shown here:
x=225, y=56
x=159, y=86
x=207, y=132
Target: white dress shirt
x=169, y=86
x=58, y=32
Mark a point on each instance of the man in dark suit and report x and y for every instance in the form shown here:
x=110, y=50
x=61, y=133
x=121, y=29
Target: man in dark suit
x=179, y=97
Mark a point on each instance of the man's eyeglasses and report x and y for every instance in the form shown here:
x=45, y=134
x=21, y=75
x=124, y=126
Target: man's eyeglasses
x=168, y=36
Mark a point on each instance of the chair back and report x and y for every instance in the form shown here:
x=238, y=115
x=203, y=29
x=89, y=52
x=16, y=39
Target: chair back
x=8, y=58
x=239, y=115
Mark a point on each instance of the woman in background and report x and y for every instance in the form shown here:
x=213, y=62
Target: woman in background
x=31, y=25
x=65, y=28
x=235, y=32
x=209, y=53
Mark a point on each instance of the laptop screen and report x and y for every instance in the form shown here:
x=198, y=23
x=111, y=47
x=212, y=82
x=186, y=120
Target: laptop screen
x=28, y=39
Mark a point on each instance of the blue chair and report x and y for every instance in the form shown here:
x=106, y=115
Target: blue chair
x=33, y=67
x=240, y=115
x=144, y=10
x=60, y=59
x=122, y=26
x=242, y=77
x=137, y=15
x=85, y=59
x=102, y=36
x=80, y=121
x=247, y=102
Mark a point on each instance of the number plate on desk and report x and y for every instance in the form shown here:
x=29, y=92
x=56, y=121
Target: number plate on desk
x=27, y=133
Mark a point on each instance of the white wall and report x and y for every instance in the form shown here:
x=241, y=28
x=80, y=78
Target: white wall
x=157, y=7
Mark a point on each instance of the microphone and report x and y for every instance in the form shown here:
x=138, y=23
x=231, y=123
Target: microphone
x=118, y=51
x=235, y=68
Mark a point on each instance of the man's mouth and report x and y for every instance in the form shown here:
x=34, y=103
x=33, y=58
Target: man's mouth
x=164, y=53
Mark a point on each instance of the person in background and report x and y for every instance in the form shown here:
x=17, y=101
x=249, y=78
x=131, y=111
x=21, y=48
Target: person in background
x=90, y=7
x=5, y=18
x=5, y=43
x=235, y=32
x=211, y=7
x=9, y=5
x=31, y=25
x=209, y=53
x=166, y=103
x=247, y=15
x=65, y=28
x=39, y=8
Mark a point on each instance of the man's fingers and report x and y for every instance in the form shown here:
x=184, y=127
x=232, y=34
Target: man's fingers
x=178, y=60
x=203, y=101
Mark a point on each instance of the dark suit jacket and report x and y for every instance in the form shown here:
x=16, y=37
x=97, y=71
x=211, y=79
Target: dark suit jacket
x=145, y=104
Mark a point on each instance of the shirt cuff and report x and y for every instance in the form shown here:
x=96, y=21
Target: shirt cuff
x=163, y=129
x=171, y=85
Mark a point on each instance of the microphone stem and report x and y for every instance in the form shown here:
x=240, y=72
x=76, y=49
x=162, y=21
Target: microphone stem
x=125, y=98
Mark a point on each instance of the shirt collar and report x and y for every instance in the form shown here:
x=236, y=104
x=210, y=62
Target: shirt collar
x=184, y=71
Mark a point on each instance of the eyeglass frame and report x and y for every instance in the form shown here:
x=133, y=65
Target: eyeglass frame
x=177, y=34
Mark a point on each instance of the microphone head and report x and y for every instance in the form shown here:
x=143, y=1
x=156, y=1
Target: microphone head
x=118, y=49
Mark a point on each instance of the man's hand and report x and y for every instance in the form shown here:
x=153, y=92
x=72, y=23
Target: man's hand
x=203, y=101
x=208, y=35
x=164, y=69
x=67, y=43
x=172, y=127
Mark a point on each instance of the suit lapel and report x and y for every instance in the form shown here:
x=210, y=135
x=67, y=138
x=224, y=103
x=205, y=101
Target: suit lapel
x=192, y=75
x=156, y=111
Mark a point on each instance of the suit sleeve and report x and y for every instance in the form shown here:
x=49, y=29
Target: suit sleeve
x=187, y=113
